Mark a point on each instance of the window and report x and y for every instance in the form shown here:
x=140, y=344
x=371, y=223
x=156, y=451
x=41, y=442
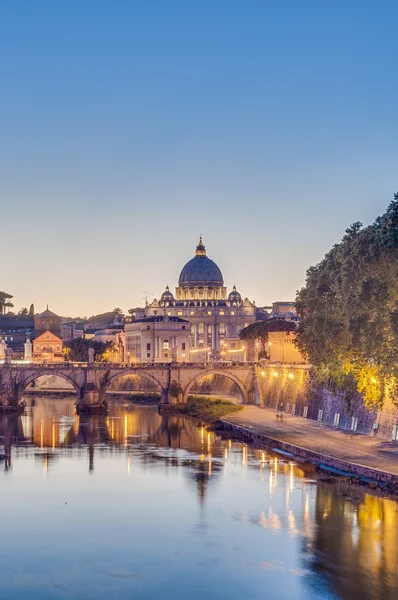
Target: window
x=232, y=345
x=222, y=312
x=179, y=313
x=200, y=328
x=183, y=346
x=182, y=355
x=148, y=346
x=232, y=312
x=222, y=327
x=169, y=314
x=192, y=312
x=148, y=355
x=148, y=326
x=166, y=345
x=209, y=312
x=183, y=327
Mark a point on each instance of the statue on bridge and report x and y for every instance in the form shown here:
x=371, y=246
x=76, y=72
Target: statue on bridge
x=3, y=349
x=91, y=355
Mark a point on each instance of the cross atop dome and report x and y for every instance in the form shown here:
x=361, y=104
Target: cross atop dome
x=200, y=248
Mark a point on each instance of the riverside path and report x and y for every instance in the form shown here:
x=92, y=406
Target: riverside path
x=319, y=443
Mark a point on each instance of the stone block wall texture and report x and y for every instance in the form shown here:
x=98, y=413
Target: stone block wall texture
x=283, y=388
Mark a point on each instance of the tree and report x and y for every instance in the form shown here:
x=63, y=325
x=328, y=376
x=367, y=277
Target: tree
x=31, y=310
x=23, y=312
x=77, y=350
x=348, y=310
x=5, y=302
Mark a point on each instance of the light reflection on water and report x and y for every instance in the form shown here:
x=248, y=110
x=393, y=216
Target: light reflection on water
x=139, y=505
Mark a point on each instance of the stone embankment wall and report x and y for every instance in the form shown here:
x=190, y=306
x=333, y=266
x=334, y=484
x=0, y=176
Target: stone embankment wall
x=290, y=389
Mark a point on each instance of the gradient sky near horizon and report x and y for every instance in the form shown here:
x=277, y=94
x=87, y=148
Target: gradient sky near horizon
x=128, y=128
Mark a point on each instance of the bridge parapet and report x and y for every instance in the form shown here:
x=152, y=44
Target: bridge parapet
x=91, y=380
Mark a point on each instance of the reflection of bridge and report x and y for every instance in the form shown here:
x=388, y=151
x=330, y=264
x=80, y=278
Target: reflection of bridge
x=91, y=381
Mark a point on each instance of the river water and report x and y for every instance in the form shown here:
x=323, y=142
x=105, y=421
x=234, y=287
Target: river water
x=135, y=505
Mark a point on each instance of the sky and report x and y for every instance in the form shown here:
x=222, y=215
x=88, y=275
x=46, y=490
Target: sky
x=128, y=128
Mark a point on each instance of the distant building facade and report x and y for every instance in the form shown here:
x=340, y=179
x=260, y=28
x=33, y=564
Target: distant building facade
x=48, y=347
x=14, y=330
x=157, y=338
x=215, y=317
x=282, y=349
x=47, y=321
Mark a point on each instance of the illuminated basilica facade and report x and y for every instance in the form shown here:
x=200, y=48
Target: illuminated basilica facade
x=215, y=316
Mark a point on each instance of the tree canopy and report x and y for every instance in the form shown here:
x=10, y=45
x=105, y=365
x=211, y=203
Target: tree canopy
x=5, y=302
x=348, y=310
x=77, y=349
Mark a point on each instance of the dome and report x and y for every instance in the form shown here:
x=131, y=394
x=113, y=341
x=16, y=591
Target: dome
x=167, y=296
x=234, y=297
x=200, y=270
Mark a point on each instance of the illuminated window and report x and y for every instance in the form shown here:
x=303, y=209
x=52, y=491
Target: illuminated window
x=209, y=312
x=192, y=312
x=183, y=355
x=222, y=312
x=200, y=328
x=166, y=345
x=169, y=313
x=232, y=312
x=180, y=313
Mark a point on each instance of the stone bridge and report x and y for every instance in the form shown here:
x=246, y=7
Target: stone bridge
x=174, y=381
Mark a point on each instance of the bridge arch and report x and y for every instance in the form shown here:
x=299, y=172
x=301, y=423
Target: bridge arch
x=23, y=384
x=140, y=373
x=242, y=387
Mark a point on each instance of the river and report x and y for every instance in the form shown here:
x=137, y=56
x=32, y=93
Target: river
x=143, y=506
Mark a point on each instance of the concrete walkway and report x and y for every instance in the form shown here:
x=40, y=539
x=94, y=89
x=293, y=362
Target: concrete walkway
x=351, y=447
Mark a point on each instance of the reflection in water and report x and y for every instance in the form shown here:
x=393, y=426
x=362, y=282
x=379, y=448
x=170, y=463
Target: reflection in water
x=273, y=528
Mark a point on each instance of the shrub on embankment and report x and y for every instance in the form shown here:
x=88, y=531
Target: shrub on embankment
x=208, y=410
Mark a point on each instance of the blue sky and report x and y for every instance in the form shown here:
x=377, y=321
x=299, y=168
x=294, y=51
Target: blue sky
x=128, y=128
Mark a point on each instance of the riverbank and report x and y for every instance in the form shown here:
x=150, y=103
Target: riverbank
x=360, y=455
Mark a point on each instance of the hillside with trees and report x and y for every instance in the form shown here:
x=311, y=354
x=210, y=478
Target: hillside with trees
x=348, y=311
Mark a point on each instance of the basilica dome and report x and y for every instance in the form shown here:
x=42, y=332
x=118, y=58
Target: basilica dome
x=234, y=297
x=201, y=271
x=167, y=296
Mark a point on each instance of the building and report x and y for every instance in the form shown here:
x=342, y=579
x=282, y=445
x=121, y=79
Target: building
x=282, y=349
x=48, y=347
x=215, y=317
x=284, y=310
x=47, y=321
x=115, y=336
x=71, y=330
x=14, y=329
x=157, y=339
